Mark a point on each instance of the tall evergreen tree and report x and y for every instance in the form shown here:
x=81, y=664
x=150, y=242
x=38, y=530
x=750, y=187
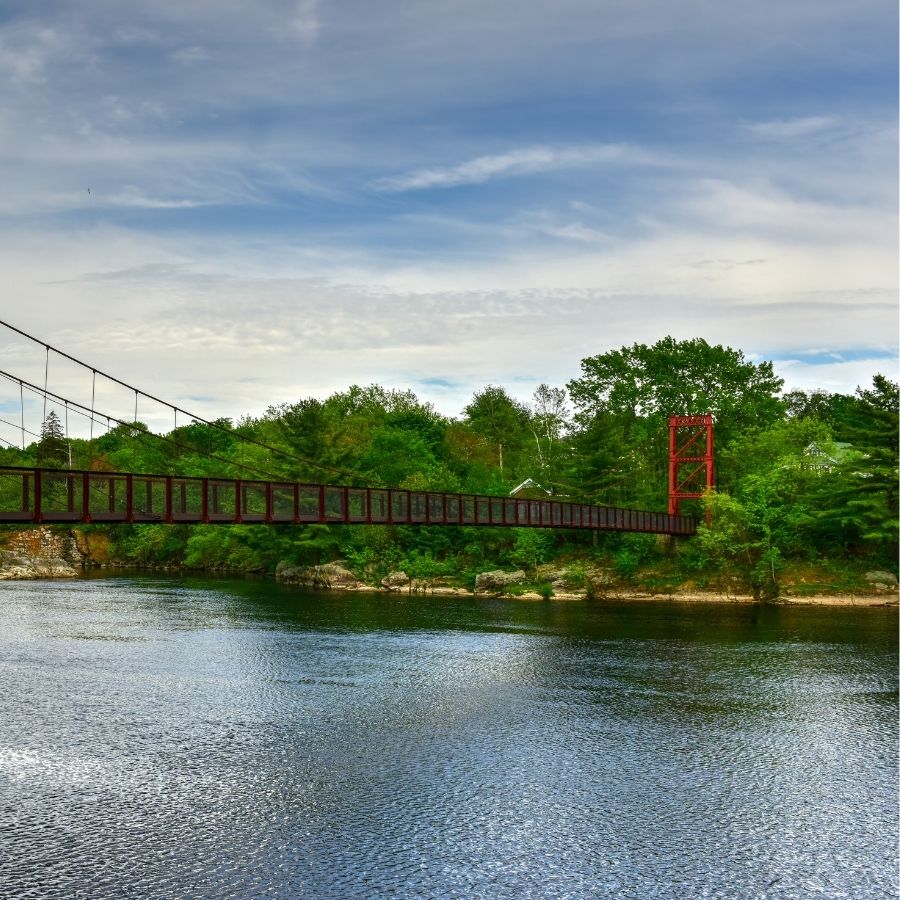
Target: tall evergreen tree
x=52, y=449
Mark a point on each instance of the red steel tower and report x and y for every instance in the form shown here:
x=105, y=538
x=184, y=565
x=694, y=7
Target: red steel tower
x=690, y=459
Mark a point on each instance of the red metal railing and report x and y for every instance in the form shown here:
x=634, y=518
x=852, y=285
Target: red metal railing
x=69, y=495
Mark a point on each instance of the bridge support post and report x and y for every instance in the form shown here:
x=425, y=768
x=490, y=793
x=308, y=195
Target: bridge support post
x=691, y=463
x=38, y=513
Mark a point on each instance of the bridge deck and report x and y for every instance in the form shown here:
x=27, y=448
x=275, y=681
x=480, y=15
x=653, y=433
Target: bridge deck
x=59, y=496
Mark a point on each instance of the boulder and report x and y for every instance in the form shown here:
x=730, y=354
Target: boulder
x=496, y=581
x=337, y=575
x=331, y=575
x=881, y=580
x=20, y=566
x=395, y=581
x=553, y=575
x=598, y=582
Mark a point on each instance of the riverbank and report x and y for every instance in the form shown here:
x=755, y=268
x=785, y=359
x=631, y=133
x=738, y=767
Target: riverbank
x=23, y=567
x=53, y=552
x=637, y=596
x=577, y=583
x=631, y=595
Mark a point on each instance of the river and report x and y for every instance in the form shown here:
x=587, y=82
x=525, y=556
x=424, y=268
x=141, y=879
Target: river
x=188, y=737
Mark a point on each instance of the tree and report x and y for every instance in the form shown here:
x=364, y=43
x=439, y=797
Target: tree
x=858, y=502
x=52, y=449
x=625, y=397
x=752, y=532
x=678, y=377
x=549, y=414
x=499, y=419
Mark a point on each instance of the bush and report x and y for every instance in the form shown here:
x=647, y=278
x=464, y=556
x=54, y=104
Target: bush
x=532, y=547
x=634, y=551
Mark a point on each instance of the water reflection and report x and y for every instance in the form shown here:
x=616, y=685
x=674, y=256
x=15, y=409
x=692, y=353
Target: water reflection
x=168, y=737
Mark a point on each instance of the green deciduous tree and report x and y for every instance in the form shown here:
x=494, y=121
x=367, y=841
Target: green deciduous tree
x=548, y=420
x=678, y=377
x=624, y=398
x=501, y=421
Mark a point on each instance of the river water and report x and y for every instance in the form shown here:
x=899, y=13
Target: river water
x=169, y=737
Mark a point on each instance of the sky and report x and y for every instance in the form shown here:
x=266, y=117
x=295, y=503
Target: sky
x=234, y=205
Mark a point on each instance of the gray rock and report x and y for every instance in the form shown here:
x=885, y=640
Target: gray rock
x=337, y=575
x=494, y=582
x=881, y=580
x=555, y=576
x=881, y=577
x=331, y=575
x=598, y=582
x=395, y=581
x=20, y=566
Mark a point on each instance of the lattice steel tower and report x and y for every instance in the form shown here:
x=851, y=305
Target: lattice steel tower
x=691, y=465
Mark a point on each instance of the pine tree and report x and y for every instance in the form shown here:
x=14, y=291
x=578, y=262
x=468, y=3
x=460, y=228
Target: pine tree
x=859, y=500
x=52, y=449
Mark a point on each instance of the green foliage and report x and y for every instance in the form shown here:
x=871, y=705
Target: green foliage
x=678, y=377
x=807, y=476
x=422, y=566
x=245, y=548
x=501, y=423
x=314, y=545
x=633, y=552
x=749, y=535
x=372, y=552
x=532, y=547
x=150, y=544
x=52, y=449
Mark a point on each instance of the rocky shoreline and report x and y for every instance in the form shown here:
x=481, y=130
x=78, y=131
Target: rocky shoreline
x=44, y=554
x=22, y=567
x=336, y=577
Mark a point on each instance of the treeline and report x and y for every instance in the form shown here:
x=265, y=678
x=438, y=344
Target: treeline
x=802, y=477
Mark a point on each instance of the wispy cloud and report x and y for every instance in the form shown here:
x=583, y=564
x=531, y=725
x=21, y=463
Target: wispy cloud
x=190, y=55
x=801, y=126
x=134, y=197
x=305, y=21
x=525, y=161
x=297, y=179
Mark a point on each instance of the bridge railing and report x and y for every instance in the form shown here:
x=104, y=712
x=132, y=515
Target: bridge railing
x=70, y=495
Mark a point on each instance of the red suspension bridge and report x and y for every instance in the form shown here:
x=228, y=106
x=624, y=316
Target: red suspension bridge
x=67, y=495
x=58, y=496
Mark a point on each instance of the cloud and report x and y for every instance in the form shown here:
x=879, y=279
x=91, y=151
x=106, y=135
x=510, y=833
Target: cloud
x=134, y=197
x=801, y=126
x=525, y=161
x=308, y=336
x=840, y=376
x=272, y=196
x=190, y=55
x=305, y=22
x=30, y=51
x=759, y=207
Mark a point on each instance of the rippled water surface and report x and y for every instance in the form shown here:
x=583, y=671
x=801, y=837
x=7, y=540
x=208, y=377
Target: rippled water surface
x=190, y=738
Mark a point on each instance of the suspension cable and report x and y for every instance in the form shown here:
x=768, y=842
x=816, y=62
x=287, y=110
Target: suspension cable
x=28, y=430
x=46, y=372
x=68, y=442
x=211, y=424
x=93, y=394
x=77, y=407
x=22, y=403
